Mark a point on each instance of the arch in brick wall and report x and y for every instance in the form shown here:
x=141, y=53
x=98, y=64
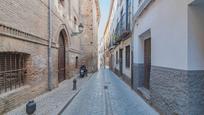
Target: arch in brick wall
x=61, y=56
x=62, y=38
x=63, y=28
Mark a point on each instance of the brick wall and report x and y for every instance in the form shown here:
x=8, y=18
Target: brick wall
x=29, y=16
x=26, y=30
x=89, y=36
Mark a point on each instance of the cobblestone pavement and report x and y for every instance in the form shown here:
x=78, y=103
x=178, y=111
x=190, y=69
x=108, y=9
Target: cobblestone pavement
x=106, y=94
x=52, y=102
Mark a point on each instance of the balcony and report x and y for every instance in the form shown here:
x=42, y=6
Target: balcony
x=111, y=44
x=123, y=30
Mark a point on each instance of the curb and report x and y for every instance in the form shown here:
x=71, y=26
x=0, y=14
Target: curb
x=68, y=103
x=71, y=98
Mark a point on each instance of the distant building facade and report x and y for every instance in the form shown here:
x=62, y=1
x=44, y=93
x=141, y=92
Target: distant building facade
x=24, y=46
x=118, y=39
x=101, y=53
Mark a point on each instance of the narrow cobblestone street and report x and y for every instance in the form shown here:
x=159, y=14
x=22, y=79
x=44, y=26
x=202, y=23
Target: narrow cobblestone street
x=52, y=102
x=102, y=57
x=105, y=94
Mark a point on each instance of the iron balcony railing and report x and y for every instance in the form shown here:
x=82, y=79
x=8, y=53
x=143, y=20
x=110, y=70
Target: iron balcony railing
x=123, y=30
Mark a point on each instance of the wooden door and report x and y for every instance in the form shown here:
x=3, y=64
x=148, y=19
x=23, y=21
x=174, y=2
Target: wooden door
x=61, y=59
x=121, y=61
x=147, y=62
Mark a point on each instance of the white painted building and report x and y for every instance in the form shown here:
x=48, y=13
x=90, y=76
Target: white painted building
x=169, y=54
x=167, y=37
x=101, y=53
x=118, y=39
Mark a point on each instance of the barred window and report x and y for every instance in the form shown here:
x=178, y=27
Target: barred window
x=139, y=2
x=76, y=62
x=12, y=71
x=127, y=56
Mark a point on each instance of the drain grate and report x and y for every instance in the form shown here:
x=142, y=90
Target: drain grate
x=105, y=87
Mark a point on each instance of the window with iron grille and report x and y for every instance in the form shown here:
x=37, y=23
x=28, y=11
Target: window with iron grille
x=12, y=70
x=116, y=57
x=127, y=56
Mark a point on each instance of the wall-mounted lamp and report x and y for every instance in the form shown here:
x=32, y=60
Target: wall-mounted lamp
x=81, y=29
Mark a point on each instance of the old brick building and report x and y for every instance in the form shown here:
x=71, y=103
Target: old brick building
x=24, y=45
x=89, y=44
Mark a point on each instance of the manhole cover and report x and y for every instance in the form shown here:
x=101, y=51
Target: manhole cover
x=105, y=87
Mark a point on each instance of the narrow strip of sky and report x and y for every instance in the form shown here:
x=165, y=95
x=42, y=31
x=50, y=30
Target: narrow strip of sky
x=104, y=8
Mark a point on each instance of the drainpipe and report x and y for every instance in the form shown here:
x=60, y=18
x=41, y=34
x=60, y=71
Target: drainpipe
x=104, y=54
x=132, y=44
x=49, y=46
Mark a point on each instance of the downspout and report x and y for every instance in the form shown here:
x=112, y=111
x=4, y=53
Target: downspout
x=49, y=46
x=127, y=13
x=80, y=37
x=132, y=43
x=104, y=53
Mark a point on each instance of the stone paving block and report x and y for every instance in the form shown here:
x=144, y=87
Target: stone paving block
x=52, y=102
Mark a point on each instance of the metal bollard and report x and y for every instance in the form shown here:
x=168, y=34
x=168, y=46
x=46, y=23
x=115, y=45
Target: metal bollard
x=30, y=107
x=74, y=84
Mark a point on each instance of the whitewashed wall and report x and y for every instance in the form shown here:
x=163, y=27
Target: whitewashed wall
x=167, y=20
x=196, y=37
x=126, y=71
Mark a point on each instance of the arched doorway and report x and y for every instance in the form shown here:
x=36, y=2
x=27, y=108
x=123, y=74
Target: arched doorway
x=61, y=58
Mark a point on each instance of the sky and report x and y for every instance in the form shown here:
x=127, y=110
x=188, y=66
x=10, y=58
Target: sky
x=104, y=8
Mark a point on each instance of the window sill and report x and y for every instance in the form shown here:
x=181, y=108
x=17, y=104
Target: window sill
x=6, y=94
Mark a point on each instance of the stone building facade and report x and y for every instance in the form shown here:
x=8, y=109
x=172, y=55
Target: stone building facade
x=24, y=46
x=90, y=15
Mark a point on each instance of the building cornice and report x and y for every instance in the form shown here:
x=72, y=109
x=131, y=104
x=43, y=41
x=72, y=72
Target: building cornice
x=24, y=36
x=141, y=8
x=74, y=51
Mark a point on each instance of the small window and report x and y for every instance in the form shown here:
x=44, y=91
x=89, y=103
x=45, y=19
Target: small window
x=76, y=62
x=12, y=70
x=61, y=2
x=121, y=13
x=116, y=57
x=120, y=2
x=127, y=56
x=75, y=20
x=139, y=2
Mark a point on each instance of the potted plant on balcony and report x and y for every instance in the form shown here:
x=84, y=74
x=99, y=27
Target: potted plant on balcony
x=115, y=39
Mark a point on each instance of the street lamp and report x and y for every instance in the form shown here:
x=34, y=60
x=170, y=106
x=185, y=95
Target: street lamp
x=81, y=29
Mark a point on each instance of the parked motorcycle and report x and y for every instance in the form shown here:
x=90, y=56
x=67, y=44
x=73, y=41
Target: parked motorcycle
x=83, y=71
